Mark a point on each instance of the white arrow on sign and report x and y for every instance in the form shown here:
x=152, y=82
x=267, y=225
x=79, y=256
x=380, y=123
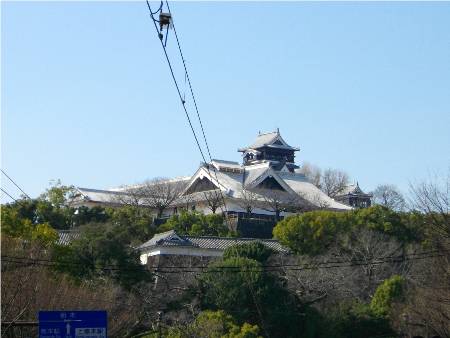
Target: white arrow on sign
x=67, y=328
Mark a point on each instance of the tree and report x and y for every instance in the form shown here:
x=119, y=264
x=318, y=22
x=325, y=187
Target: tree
x=102, y=251
x=52, y=207
x=30, y=285
x=331, y=277
x=330, y=181
x=18, y=227
x=254, y=250
x=354, y=319
x=214, y=199
x=228, y=285
x=313, y=173
x=214, y=324
x=278, y=201
x=312, y=233
x=83, y=215
x=367, y=248
x=210, y=225
x=239, y=285
x=196, y=224
x=389, y=196
x=405, y=227
x=157, y=194
x=391, y=290
x=427, y=300
x=248, y=201
x=135, y=223
x=58, y=194
x=432, y=198
x=334, y=181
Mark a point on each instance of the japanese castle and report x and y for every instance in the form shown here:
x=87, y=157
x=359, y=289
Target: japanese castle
x=267, y=183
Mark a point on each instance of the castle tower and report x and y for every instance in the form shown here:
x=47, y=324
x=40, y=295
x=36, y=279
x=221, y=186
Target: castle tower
x=270, y=147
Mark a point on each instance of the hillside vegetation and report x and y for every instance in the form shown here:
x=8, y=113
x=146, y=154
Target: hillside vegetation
x=365, y=273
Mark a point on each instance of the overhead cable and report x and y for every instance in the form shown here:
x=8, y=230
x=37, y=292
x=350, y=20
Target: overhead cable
x=195, y=102
x=9, y=178
x=288, y=267
x=175, y=82
x=182, y=97
x=6, y=193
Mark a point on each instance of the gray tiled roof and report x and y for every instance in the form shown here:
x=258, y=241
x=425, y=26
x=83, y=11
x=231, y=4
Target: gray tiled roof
x=267, y=140
x=221, y=243
x=232, y=184
x=171, y=238
x=97, y=195
x=121, y=194
x=264, y=139
x=352, y=189
x=67, y=236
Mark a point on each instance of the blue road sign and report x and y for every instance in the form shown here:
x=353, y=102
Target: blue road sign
x=73, y=324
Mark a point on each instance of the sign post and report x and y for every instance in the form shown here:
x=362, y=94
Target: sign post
x=73, y=324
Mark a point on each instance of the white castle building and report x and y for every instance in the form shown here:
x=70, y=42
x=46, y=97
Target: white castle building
x=268, y=183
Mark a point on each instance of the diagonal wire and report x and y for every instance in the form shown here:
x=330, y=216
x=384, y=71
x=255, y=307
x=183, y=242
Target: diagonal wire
x=176, y=83
x=183, y=100
x=195, y=102
x=15, y=184
x=190, y=85
x=4, y=191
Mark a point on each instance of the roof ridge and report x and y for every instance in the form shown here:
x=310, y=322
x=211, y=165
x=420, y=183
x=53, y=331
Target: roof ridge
x=270, y=132
x=231, y=238
x=227, y=161
x=99, y=190
x=149, y=182
x=167, y=232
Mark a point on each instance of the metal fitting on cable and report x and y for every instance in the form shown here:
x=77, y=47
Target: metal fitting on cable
x=164, y=20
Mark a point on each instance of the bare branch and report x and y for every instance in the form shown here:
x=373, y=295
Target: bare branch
x=389, y=196
x=334, y=182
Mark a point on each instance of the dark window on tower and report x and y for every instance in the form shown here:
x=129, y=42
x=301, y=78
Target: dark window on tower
x=352, y=202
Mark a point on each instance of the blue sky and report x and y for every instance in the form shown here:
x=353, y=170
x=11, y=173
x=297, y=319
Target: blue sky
x=87, y=96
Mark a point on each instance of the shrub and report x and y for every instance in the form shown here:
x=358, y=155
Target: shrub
x=253, y=250
x=389, y=291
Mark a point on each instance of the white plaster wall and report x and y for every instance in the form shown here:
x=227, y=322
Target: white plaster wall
x=179, y=251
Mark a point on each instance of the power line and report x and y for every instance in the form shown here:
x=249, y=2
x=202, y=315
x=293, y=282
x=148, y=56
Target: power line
x=299, y=268
x=26, y=261
x=15, y=184
x=183, y=102
x=175, y=82
x=8, y=195
x=195, y=101
x=189, y=82
x=313, y=265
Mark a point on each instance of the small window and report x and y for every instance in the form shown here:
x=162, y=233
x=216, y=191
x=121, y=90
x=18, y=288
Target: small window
x=193, y=208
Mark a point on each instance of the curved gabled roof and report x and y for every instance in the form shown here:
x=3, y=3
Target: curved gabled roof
x=353, y=189
x=272, y=140
x=233, y=184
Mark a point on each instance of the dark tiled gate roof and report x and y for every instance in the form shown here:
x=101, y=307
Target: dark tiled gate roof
x=171, y=238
